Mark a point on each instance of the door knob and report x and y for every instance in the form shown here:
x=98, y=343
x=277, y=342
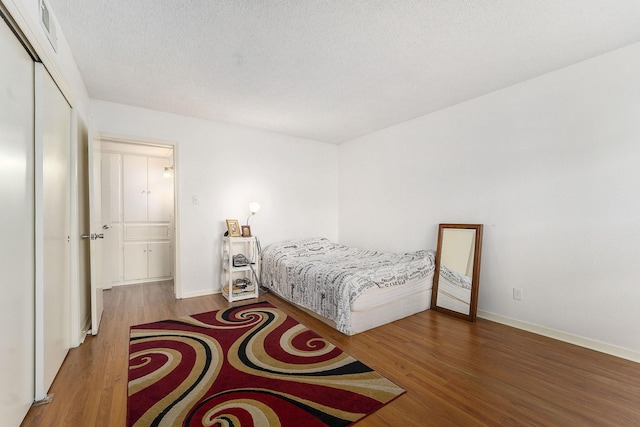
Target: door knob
x=92, y=236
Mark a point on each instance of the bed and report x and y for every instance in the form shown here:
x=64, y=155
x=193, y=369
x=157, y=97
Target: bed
x=351, y=289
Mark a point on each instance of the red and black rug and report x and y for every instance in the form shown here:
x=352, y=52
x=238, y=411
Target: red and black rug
x=250, y=365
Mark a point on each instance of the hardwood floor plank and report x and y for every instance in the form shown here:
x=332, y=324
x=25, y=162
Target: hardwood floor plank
x=454, y=372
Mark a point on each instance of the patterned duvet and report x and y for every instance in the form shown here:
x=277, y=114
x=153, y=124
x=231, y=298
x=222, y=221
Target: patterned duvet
x=326, y=277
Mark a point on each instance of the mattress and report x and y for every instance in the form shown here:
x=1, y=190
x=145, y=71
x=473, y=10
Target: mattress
x=328, y=278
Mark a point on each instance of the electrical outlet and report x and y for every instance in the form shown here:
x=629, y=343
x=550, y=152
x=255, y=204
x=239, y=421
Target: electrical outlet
x=517, y=294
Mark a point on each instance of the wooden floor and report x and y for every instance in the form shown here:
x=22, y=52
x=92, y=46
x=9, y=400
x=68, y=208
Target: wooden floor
x=456, y=373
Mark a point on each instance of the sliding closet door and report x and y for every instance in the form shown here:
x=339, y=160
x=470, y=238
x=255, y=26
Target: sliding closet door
x=53, y=115
x=16, y=229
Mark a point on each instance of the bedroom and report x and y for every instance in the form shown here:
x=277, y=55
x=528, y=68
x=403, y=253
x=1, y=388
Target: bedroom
x=549, y=165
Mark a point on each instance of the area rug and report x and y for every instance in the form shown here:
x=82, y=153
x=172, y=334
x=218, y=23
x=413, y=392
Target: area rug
x=249, y=365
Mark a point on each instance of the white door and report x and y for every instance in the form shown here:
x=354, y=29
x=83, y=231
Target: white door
x=96, y=234
x=112, y=242
x=16, y=228
x=53, y=210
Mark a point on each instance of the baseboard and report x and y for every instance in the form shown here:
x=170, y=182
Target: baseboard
x=602, y=347
x=86, y=328
x=200, y=293
x=137, y=282
x=46, y=400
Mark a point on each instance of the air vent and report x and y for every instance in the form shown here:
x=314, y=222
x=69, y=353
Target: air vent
x=48, y=23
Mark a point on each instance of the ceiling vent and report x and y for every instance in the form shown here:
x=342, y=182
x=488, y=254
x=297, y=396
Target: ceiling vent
x=48, y=23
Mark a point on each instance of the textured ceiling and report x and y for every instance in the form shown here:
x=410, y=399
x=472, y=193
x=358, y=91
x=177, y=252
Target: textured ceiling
x=328, y=70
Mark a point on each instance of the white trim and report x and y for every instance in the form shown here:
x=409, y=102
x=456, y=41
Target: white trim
x=602, y=347
x=128, y=139
x=38, y=85
x=177, y=271
x=200, y=293
x=137, y=282
x=76, y=333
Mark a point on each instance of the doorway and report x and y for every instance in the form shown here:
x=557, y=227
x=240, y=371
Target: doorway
x=138, y=209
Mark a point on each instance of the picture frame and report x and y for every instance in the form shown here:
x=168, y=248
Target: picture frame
x=246, y=231
x=233, y=228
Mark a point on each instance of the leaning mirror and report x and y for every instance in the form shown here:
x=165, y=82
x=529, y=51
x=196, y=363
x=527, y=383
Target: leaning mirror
x=455, y=287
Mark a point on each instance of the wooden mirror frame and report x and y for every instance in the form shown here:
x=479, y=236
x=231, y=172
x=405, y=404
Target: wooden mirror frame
x=475, y=279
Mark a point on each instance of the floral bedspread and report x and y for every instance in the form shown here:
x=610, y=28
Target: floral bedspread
x=326, y=277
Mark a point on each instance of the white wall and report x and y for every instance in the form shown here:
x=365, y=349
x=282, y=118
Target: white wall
x=227, y=167
x=550, y=166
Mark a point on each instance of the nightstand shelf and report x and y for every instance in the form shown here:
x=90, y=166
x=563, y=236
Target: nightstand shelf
x=240, y=279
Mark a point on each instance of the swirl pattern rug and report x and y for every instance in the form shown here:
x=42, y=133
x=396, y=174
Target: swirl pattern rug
x=249, y=365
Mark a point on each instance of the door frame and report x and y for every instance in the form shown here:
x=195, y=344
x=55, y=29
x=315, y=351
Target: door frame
x=174, y=145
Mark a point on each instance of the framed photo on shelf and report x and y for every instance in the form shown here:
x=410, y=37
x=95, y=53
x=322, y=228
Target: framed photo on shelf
x=233, y=227
x=246, y=231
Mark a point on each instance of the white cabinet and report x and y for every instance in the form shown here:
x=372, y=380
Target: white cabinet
x=147, y=260
x=238, y=278
x=147, y=193
x=159, y=260
x=135, y=261
x=134, y=189
x=159, y=190
x=147, y=211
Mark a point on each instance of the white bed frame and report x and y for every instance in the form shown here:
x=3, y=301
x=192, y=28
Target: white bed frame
x=372, y=314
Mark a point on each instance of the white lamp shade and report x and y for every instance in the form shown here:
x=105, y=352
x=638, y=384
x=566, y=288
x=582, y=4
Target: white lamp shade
x=254, y=207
